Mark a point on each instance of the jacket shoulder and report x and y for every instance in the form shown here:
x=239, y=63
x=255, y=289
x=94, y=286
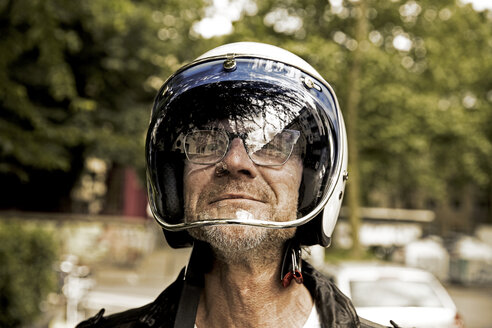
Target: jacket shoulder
x=364, y=323
x=158, y=314
x=128, y=319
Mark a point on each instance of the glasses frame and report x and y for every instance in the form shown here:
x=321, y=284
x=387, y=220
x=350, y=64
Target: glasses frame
x=243, y=136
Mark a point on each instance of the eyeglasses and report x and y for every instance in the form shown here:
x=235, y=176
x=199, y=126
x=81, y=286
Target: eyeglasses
x=208, y=147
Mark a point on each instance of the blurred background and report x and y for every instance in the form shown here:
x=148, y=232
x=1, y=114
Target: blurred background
x=77, y=81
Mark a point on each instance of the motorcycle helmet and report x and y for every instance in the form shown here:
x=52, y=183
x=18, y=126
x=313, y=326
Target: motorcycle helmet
x=279, y=100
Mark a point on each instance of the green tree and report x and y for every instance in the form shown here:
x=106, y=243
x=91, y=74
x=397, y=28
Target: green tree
x=424, y=113
x=77, y=80
x=26, y=275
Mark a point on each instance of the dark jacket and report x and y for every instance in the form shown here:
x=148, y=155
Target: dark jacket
x=334, y=308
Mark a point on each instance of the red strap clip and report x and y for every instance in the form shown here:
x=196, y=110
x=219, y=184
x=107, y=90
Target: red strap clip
x=296, y=275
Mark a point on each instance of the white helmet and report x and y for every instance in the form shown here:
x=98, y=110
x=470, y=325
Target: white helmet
x=277, y=91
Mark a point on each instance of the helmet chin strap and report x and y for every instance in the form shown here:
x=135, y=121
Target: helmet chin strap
x=198, y=264
x=291, y=264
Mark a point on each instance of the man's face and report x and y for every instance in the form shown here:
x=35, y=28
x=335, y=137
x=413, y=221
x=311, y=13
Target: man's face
x=238, y=188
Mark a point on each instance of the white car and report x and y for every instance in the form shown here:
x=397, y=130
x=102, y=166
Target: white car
x=408, y=296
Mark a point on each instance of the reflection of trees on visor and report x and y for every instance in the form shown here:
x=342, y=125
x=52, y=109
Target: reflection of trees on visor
x=255, y=108
x=246, y=106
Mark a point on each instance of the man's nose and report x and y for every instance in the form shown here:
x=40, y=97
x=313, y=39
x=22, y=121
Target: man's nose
x=238, y=161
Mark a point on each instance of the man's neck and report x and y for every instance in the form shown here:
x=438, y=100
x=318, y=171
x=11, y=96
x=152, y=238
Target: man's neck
x=250, y=294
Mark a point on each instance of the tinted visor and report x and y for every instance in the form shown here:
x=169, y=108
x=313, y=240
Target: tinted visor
x=203, y=109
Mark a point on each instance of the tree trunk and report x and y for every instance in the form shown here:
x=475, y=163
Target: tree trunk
x=353, y=100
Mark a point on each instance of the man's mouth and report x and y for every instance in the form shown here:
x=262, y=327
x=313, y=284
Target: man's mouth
x=234, y=196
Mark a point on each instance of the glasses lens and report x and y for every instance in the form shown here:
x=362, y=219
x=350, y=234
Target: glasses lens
x=206, y=146
x=278, y=150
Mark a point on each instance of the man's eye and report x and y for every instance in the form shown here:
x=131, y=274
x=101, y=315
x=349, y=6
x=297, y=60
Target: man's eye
x=212, y=147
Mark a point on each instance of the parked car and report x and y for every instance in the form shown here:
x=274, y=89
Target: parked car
x=410, y=297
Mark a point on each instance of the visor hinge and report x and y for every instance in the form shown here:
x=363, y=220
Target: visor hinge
x=308, y=83
x=345, y=175
x=230, y=63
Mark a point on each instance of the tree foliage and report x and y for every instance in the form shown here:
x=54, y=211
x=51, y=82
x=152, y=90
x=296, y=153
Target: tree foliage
x=27, y=255
x=78, y=79
x=425, y=110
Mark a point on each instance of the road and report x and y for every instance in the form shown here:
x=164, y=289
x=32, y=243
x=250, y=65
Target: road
x=474, y=303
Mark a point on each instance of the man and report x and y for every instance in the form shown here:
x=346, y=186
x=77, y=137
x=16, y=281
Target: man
x=246, y=162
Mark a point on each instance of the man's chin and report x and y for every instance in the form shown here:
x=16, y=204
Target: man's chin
x=235, y=242
x=236, y=237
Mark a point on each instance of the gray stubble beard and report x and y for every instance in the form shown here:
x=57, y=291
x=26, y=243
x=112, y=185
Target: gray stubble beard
x=240, y=244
